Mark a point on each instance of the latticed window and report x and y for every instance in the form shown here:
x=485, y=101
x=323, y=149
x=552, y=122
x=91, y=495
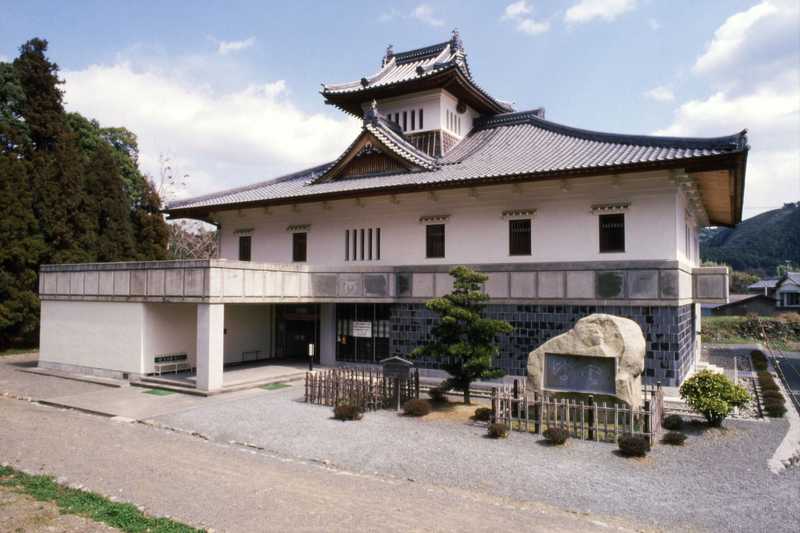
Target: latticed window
x=434, y=240
x=245, y=243
x=299, y=246
x=519, y=237
x=612, y=233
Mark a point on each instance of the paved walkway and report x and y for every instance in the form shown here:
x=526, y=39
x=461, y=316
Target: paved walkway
x=232, y=489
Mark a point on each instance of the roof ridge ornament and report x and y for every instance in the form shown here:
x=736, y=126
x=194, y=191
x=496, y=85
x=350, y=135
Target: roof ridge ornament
x=371, y=115
x=389, y=54
x=455, y=41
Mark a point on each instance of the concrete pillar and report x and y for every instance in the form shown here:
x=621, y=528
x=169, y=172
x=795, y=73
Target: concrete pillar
x=210, y=345
x=327, y=334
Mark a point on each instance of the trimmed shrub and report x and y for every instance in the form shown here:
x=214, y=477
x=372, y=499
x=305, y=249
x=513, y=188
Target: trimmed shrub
x=675, y=438
x=713, y=395
x=482, y=414
x=437, y=394
x=633, y=445
x=774, y=408
x=767, y=382
x=556, y=435
x=759, y=360
x=672, y=422
x=498, y=430
x=347, y=411
x=416, y=408
x=773, y=395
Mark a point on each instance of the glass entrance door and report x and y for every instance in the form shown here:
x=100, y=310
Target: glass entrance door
x=297, y=326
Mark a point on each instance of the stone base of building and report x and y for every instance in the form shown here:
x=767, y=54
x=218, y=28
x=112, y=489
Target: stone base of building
x=669, y=333
x=85, y=370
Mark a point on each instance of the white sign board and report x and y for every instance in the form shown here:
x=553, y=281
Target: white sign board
x=362, y=329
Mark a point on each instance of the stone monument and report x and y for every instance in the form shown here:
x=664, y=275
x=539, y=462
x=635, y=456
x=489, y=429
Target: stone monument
x=602, y=354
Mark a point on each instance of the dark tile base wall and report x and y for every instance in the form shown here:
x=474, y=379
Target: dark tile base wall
x=669, y=332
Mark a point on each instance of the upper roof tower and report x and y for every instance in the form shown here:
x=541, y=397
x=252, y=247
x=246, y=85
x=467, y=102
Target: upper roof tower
x=438, y=66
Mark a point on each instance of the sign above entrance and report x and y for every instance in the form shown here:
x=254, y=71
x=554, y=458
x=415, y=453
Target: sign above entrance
x=362, y=329
x=579, y=373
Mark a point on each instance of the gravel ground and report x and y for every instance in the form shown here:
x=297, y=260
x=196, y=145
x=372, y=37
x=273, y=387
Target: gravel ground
x=719, y=481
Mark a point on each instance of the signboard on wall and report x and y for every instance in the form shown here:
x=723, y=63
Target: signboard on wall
x=362, y=329
x=580, y=373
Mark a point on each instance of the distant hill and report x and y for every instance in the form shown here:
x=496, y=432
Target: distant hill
x=758, y=244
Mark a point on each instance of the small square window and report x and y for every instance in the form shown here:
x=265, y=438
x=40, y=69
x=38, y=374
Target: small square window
x=245, y=244
x=519, y=237
x=434, y=241
x=299, y=246
x=612, y=233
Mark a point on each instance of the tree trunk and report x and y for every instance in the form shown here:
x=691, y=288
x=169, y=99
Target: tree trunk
x=466, y=394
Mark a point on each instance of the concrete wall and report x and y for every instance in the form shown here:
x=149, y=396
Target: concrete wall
x=247, y=328
x=93, y=335
x=563, y=229
x=169, y=328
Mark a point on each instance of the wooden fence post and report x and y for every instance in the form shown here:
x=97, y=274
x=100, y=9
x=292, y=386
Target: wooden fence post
x=591, y=418
x=494, y=404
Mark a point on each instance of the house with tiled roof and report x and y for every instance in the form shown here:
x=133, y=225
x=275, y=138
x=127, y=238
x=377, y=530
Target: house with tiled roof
x=339, y=259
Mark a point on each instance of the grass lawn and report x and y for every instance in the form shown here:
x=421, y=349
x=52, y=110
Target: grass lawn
x=159, y=392
x=275, y=386
x=123, y=516
x=739, y=330
x=15, y=351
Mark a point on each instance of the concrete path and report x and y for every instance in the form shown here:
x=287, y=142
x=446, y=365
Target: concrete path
x=234, y=489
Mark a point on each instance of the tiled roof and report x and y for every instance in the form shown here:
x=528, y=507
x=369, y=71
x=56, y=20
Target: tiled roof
x=503, y=146
x=764, y=284
x=415, y=65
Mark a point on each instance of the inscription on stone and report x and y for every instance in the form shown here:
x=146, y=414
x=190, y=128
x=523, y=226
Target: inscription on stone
x=579, y=373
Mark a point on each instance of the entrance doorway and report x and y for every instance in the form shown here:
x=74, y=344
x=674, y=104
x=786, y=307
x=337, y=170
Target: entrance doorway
x=297, y=326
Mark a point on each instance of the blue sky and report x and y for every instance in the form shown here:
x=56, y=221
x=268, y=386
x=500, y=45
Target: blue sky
x=229, y=91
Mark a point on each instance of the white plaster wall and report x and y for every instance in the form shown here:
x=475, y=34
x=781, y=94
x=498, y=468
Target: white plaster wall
x=169, y=328
x=690, y=255
x=106, y=335
x=564, y=229
x=247, y=328
x=428, y=101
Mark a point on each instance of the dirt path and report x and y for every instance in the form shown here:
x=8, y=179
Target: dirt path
x=21, y=513
x=234, y=489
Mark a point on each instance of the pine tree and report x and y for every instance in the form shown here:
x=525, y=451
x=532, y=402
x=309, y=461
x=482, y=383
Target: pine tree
x=149, y=228
x=21, y=247
x=464, y=342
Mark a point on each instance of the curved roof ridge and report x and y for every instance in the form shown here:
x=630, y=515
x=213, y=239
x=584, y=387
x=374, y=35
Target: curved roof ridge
x=420, y=53
x=734, y=142
x=411, y=151
x=310, y=172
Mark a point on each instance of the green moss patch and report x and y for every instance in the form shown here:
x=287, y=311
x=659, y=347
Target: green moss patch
x=275, y=386
x=159, y=392
x=123, y=516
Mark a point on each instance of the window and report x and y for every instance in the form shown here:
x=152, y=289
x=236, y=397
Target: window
x=378, y=244
x=347, y=245
x=355, y=244
x=299, y=246
x=519, y=237
x=612, y=233
x=413, y=119
x=362, y=244
x=434, y=240
x=420, y=119
x=369, y=244
x=405, y=120
x=245, y=243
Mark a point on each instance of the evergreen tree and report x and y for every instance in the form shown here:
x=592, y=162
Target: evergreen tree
x=464, y=342
x=21, y=247
x=151, y=232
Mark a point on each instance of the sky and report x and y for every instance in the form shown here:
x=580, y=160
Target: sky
x=229, y=91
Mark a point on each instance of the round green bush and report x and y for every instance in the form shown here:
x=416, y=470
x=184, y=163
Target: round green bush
x=416, y=408
x=773, y=395
x=774, y=408
x=438, y=394
x=759, y=360
x=482, y=414
x=672, y=422
x=633, y=445
x=713, y=395
x=675, y=438
x=556, y=436
x=498, y=430
x=347, y=411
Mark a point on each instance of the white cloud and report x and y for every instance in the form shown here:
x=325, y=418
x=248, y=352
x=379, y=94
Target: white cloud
x=517, y=9
x=426, y=14
x=588, y=10
x=752, y=66
x=654, y=24
x=226, y=47
x=222, y=138
x=520, y=14
x=660, y=94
